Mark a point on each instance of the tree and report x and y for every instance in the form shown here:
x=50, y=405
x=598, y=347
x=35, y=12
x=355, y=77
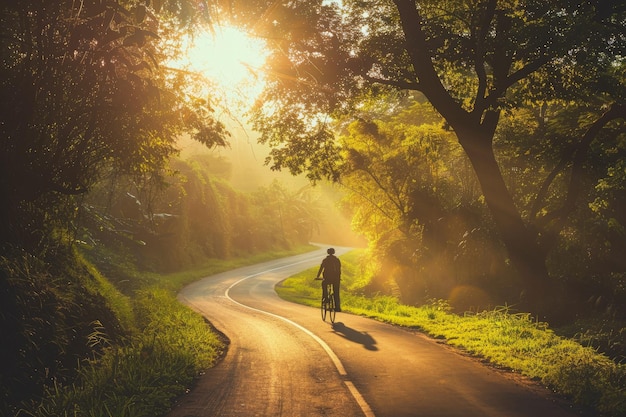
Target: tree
x=403, y=176
x=283, y=217
x=85, y=92
x=471, y=60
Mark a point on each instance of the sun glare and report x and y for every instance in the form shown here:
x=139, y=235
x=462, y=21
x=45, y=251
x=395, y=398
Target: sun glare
x=230, y=59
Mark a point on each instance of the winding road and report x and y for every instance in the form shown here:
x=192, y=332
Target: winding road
x=283, y=360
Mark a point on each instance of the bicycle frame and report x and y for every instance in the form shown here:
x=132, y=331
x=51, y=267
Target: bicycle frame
x=328, y=303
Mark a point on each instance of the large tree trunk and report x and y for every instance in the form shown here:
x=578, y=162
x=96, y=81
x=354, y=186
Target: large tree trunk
x=521, y=242
x=475, y=131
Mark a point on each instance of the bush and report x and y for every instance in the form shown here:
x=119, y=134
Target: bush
x=50, y=313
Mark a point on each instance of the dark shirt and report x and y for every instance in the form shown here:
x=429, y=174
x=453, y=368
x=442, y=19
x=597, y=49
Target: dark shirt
x=331, y=267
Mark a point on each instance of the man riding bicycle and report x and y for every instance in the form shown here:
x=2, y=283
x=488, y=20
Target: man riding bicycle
x=330, y=269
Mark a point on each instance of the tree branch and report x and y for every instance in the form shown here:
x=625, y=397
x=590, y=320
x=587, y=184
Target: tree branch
x=479, y=35
x=518, y=75
x=577, y=156
x=421, y=58
x=404, y=85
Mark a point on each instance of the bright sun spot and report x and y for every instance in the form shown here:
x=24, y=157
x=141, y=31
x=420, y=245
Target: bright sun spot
x=231, y=60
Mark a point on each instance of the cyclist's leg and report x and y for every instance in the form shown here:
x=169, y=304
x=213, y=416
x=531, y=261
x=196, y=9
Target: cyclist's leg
x=324, y=290
x=331, y=305
x=336, y=294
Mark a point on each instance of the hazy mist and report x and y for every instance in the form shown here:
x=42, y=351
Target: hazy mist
x=249, y=172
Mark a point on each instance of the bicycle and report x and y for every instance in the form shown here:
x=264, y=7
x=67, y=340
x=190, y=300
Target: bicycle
x=328, y=302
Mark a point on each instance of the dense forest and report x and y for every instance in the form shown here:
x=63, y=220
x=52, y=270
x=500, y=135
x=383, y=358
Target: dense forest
x=432, y=226
x=479, y=147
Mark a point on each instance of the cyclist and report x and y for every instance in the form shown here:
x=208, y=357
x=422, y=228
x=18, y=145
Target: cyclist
x=330, y=269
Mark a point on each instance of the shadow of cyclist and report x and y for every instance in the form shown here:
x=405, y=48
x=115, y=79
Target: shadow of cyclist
x=362, y=338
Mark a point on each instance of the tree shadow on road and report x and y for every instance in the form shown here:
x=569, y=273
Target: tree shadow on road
x=362, y=338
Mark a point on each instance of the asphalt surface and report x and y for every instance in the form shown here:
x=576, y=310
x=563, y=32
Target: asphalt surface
x=283, y=360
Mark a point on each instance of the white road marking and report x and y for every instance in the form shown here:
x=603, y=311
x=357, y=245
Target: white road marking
x=367, y=411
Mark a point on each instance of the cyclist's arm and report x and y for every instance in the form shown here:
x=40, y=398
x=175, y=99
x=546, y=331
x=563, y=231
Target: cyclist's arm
x=319, y=272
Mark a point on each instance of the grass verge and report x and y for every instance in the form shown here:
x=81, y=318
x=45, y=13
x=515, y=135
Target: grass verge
x=590, y=380
x=168, y=347
x=143, y=376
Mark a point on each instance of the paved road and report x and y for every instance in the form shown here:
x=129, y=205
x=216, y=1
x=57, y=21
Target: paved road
x=283, y=360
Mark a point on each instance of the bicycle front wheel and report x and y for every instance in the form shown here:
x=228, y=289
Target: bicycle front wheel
x=324, y=307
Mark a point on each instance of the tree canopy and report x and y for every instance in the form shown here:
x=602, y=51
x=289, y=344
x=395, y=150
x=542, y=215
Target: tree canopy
x=473, y=61
x=85, y=93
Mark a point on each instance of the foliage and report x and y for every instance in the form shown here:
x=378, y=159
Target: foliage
x=85, y=94
x=581, y=239
x=57, y=306
x=429, y=239
x=514, y=341
x=196, y=216
x=402, y=176
x=50, y=312
x=144, y=375
x=90, y=106
x=473, y=62
x=326, y=55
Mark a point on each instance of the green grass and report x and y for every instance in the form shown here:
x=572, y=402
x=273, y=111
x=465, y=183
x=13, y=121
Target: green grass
x=120, y=304
x=169, y=346
x=513, y=341
x=144, y=376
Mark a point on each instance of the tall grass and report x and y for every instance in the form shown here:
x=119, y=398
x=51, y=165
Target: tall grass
x=514, y=341
x=97, y=283
x=142, y=377
x=169, y=345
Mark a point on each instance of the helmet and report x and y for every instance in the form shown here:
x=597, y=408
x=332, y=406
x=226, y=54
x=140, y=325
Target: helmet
x=330, y=251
